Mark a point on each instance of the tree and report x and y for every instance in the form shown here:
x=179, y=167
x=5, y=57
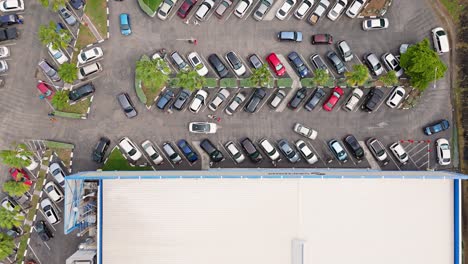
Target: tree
x=68, y=72
x=16, y=158
x=48, y=34
x=150, y=73
x=10, y=219
x=54, y=4
x=7, y=246
x=389, y=79
x=15, y=188
x=60, y=100
x=358, y=76
x=321, y=77
x=260, y=77
x=422, y=64
x=190, y=80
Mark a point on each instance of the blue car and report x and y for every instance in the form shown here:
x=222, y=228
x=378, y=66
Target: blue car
x=164, y=99
x=437, y=127
x=299, y=64
x=338, y=150
x=125, y=24
x=187, y=150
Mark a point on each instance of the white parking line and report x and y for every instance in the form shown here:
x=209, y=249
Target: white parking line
x=32, y=250
x=264, y=102
x=251, y=8
x=9, y=44
x=317, y=153
x=390, y=156
x=67, y=26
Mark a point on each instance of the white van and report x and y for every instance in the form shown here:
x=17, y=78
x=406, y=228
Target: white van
x=440, y=38
x=88, y=70
x=353, y=100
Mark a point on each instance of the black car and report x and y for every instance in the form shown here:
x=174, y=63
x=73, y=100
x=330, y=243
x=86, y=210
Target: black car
x=298, y=98
x=81, y=92
x=373, y=100
x=165, y=99
x=8, y=33
x=100, y=150
x=354, y=147
x=255, y=100
x=8, y=20
x=183, y=97
x=315, y=99
x=77, y=4
x=251, y=150
x=43, y=231
x=218, y=65
x=255, y=61
x=336, y=62
x=211, y=150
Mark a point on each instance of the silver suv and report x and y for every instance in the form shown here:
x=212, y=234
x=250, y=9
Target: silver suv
x=262, y=9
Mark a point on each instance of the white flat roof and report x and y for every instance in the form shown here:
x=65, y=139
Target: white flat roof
x=253, y=221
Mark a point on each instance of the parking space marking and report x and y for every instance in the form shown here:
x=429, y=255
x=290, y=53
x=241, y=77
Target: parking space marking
x=264, y=101
x=233, y=161
x=317, y=153
x=32, y=250
x=160, y=153
x=251, y=8
x=68, y=27
x=389, y=154
x=208, y=99
x=9, y=44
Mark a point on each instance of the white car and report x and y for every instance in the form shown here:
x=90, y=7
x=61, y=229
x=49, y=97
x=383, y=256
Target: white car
x=220, y=97
x=242, y=7
x=202, y=127
x=11, y=5
x=374, y=24
x=345, y=50
x=337, y=9
x=163, y=68
x=154, y=155
x=49, y=211
x=235, y=152
x=4, y=52
x=396, y=97
x=268, y=148
x=443, y=151
x=355, y=8
x=3, y=66
x=399, y=152
x=204, y=9
x=392, y=64
x=353, y=100
x=440, y=39
x=198, y=100
x=305, y=131
x=130, y=149
x=303, y=8
x=305, y=151
x=58, y=55
x=57, y=173
x=90, y=55
x=165, y=8
x=235, y=103
x=197, y=63
x=287, y=6
x=53, y=191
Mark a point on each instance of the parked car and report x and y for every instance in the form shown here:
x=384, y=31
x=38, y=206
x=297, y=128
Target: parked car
x=197, y=63
x=276, y=64
x=53, y=191
x=127, y=105
x=392, y=64
x=374, y=64
x=187, y=150
x=396, y=97
x=49, y=71
x=315, y=99
x=258, y=95
x=255, y=61
x=318, y=63
x=202, y=127
x=338, y=150
x=242, y=7
x=10, y=204
x=211, y=150
x=284, y=10
x=375, y=24
x=344, y=50
x=204, y=9
x=437, y=127
x=174, y=157
x=4, y=52
x=3, y=66
x=11, y=5
x=45, y=90
x=220, y=97
x=81, y=92
x=373, y=99
x=221, y=9
x=43, y=231
x=179, y=61
x=336, y=62
x=57, y=173
x=290, y=36
x=182, y=99
x=277, y=98
x=319, y=11
x=322, y=39
x=164, y=99
x=9, y=20
x=198, y=100
x=8, y=34
x=251, y=150
x=305, y=131
x=125, y=28
x=399, y=152
x=269, y=149
x=262, y=9
x=355, y=8
x=235, y=103
x=235, y=63
x=51, y=215
x=165, y=8
x=298, y=98
x=337, y=9
x=218, y=65
x=77, y=4
x=353, y=100
x=443, y=152
x=354, y=147
x=378, y=150
x=235, y=152
x=127, y=146
x=89, y=70
x=99, y=151
x=20, y=175
x=185, y=8
x=288, y=151
x=306, y=153
x=67, y=16
x=303, y=8
x=90, y=55
x=298, y=64
x=152, y=153
x=440, y=39
x=333, y=99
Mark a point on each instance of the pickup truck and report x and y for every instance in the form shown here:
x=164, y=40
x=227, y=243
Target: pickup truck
x=8, y=34
x=319, y=11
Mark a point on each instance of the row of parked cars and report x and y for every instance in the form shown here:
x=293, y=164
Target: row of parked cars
x=7, y=29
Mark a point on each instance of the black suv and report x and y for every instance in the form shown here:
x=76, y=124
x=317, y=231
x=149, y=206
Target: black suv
x=8, y=33
x=354, y=147
x=218, y=65
x=315, y=99
x=251, y=150
x=373, y=100
x=100, y=150
x=255, y=100
x=298, y=98
x=81, y=92
x=43, y=231
x=211, y=150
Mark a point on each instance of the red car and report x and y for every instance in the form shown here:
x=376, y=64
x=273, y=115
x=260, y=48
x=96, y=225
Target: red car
x=25, y=178
x=334, y=98
x=46, y=90
x=276, y=64
x=185, y=8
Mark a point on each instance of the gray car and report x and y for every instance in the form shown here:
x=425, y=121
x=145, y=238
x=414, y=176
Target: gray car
x=262, y=9
x=336, y=62
x=374, y=64
x=288, y=151
x=49, y=71
x=67, y=16
x=182, y=99
x=127, y=105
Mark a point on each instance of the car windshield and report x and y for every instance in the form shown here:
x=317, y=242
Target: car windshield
x=47, y=208
x=444, y=147
x=128, y=110
x=440, y=33
x=50, y=188
x=377, y=67
x=56, y=171
x=154, y=156
x=266, y=2
x=336, y=94
x=83, y=56
x=290, y=2
x=57, y=55
x=201, y=127
x=132, y=152
x=125, y=26
x=403, y=156
x=279, y=66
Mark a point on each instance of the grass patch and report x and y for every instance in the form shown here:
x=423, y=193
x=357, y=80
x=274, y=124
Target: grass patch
x=96, y=11
x=58, y=145
x=85, y=38
x=78, y=108
x=245, y=83
x=117, y=162
x=454, y=7
x=284, y=82
x=211, y=82
x=228, y=83
x=150, y=93
x=307, y=82
x=152, y=4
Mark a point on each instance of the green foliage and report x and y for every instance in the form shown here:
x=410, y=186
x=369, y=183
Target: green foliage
x=10, y=219
x=15, y=188
x=13, y=158
x=260, y=77
x=60, y=100
x=139, y=92
x=321, y=77
x=54, y=4
x=358, y=75
x=389, y=79
x=150, y=73
x=7, y=246
x=189, y=80
x=422, y=64
x=68, y=72
x=59, y=40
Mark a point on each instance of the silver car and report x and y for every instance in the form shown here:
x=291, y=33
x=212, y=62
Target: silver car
x=49, y=71
x=235, y=103
x=262, y=9
x=374, y=64
x=67, y=16
x=288, y=151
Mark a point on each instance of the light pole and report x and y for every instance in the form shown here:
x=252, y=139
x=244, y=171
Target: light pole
x=435, y=76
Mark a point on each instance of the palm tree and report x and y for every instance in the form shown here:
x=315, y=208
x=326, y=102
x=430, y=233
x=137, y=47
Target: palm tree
x=16, y=158
x=15, y=188
x=260, y=77
x=321, y=77
x=60, y=100
x=189, y=80
x=55, y=4
x=7, y=246
x=389, y=79
x=358, y=76
x=48, y=34
x=68, y=72
x=10, y=219
x=150, y=74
